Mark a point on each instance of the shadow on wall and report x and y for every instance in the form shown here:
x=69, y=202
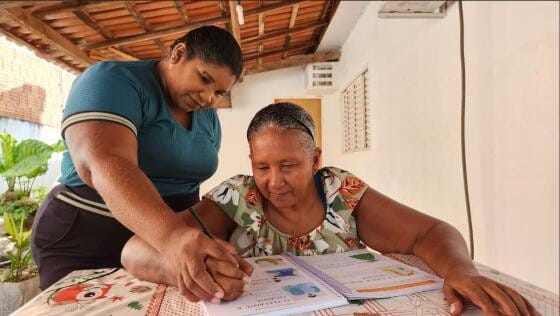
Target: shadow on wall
x=26, y=102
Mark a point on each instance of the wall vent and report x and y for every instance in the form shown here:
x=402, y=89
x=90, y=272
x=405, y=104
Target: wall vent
x=320, y=78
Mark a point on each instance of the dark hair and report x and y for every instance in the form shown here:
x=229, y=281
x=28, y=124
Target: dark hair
x=213, y=45
x=284, y=115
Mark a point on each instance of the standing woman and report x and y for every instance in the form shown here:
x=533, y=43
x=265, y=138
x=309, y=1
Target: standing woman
x=141, y=137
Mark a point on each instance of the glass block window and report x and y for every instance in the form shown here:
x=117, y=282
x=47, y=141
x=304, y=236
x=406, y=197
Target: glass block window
x=356, y=122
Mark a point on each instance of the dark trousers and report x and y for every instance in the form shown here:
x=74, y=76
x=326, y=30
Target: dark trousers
x=67, y=238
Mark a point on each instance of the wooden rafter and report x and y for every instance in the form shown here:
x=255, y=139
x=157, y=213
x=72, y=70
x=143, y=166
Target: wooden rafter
x=181, y=10
x=146, y=26
x=183, y=29
x=261, y=32
x=86, y=19
x=12, y=4
x=280, y=33
x=121, y=54
x=69, y=7
x=234, y=21
x=46, y=33
x=294, y=61
x=328, y=12
x=256, y=55
x=293, y=17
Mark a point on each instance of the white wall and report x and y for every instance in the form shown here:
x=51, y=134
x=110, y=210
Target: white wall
x=414, y=71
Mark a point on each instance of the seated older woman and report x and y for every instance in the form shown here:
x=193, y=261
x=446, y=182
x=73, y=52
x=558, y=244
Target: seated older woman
x=289, y=204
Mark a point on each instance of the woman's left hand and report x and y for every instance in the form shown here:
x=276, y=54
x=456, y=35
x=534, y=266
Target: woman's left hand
x=492, y=297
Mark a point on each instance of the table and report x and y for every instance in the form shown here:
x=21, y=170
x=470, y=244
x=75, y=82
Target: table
x=116, y=292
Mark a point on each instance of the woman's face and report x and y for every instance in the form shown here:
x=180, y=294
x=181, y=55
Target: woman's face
x=193, y=84
x=283, y=170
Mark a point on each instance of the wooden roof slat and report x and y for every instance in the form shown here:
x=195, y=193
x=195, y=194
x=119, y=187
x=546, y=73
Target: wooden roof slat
x=277, y=51
x=280, y=33
x=145, y=24
x=89, y=22
x=183, y=29
x=234, y=21
x=295, y=61
x=52, y=11
x=12, y=4
x=181, y=10
x=45, y=32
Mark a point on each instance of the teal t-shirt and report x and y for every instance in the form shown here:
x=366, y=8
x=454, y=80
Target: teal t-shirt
x=174, y=158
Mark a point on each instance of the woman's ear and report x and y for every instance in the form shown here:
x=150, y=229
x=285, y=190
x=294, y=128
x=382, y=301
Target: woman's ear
x=178, y=52
x=316, y=159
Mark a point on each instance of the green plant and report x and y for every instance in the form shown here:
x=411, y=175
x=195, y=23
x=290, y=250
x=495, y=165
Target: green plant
x=23, y=162
x=20, y=165
x=21, y=262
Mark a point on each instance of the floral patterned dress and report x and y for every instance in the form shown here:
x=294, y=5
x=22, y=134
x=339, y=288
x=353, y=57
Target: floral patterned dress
x=241, y=201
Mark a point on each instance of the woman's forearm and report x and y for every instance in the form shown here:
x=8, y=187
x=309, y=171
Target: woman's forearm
x=444, y=250
x=146, y=263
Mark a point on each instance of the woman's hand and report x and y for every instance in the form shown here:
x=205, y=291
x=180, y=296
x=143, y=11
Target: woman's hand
x=187, y=249
x=490, y=296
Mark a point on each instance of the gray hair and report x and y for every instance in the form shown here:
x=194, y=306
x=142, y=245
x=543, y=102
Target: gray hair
x=285, y=115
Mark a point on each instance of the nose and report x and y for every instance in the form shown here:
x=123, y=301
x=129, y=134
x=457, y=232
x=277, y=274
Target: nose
x=276, y=179
x=207, y=97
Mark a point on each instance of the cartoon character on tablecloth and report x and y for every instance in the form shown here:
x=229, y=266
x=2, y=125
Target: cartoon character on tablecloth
x=80, y=294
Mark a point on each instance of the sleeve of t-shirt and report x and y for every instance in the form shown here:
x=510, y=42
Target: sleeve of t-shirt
x=343, y=190
x=234, y=196
x=104, y=92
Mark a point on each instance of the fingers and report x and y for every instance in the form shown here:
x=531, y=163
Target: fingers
x=214, y=248
x=474, y=292
x=502, y=299
x=244, y=266
x=229, y=247
x=520, y=303
x=453, y=299
x=183, y=290
x=224, y=268
x=199, y=281
x=233, y=288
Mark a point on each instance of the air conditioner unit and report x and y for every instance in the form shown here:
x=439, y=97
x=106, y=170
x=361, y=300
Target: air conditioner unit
x=413, y=9
x=320, y=78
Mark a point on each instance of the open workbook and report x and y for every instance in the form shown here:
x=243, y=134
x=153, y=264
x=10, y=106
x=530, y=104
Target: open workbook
x=287, y=284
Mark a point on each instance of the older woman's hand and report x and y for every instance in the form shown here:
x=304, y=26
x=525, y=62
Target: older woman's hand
x=492, y=297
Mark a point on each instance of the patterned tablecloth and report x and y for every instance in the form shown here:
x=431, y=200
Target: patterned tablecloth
x=115, y=292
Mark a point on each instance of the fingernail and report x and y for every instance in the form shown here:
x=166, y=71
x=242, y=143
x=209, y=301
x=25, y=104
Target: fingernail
x=219, y=295
x=215, y=300
x=246, y=288
x=452, y=308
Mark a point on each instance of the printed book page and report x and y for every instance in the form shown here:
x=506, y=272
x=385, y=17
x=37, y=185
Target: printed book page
x=361, y=274
x=279, y=287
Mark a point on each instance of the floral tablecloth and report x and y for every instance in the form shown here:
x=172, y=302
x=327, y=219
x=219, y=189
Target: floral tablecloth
x=116, y=292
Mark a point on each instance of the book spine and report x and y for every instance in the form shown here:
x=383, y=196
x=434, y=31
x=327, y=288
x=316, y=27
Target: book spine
x=339, y=287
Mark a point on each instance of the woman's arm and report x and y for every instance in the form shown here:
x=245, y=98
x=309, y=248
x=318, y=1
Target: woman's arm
x=105, y=157
x=145, y=262
x=390, y=227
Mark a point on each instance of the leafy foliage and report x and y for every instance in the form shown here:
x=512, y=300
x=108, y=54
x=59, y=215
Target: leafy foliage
x=20, y=164
x=20, y=258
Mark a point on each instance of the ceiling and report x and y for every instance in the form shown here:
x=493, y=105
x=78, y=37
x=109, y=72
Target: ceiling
x=76, y=34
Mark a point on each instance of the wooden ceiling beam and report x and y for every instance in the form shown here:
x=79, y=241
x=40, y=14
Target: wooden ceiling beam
x=256, y=55
x=261, y=32
x=68, y=7
x=46, y=33
x=293, y=18
x=185, y=28
x=13, y=4
x=181, y=10
x=86, y=19
x=294, y=61
x=146, y=26
x=234, y=21
x=121, y=54
x=280, y=33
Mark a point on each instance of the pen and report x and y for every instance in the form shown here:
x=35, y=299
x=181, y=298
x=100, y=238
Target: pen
x=200, y=223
